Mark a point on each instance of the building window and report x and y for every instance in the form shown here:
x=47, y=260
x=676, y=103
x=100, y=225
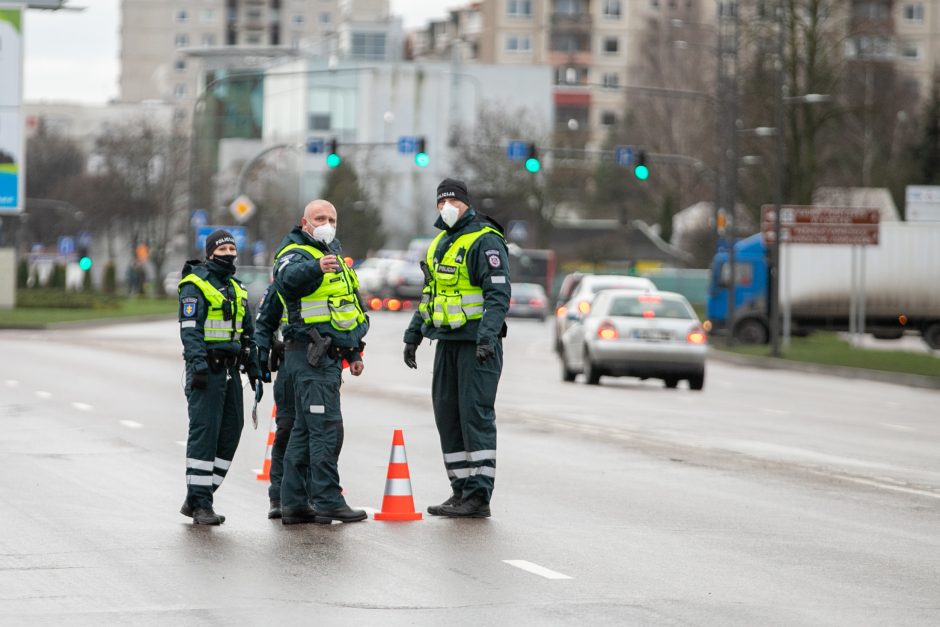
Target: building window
x=325, y=19
x=611, y=80
x=654, y=4
x=297, y=19
x=207, y=16
x=208, y=40
x=567, y=7
x=319, y=122
x=570, y=42
x=368, y=45
x=180, y=65
x=571, y=75
x=182, y=16
x=612, y=9
x=253, y=14
x=180, y=90
x=608, y=118
x=181, y=40
x=910, y=51
x=914, y=13
x=518, y=43
x=253, y=39
x=519, y=8
x=611, y=45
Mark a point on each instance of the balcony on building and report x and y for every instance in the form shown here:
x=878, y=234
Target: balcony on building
x=571, y=15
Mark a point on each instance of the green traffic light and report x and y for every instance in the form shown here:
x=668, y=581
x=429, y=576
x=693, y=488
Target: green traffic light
x=422, y=159
x=333, y=160
x=532, y=165
x=641, y=172
x=85, y=263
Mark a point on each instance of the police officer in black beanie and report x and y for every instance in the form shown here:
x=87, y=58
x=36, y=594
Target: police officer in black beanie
x=464, y=306
x=216, y=329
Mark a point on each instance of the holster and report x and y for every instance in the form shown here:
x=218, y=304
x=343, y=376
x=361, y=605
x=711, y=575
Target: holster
x=219, y=360
x=317, y=347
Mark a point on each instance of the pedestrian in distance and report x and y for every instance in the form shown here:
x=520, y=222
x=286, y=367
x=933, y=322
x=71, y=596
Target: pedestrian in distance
x=326, y=322
x=463, y=306
x=216, y=330
x=271, y=316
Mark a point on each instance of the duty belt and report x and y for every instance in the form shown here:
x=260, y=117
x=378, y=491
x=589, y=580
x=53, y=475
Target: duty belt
x=219, y=359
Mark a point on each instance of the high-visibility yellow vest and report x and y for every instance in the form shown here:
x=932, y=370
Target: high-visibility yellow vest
x=335, y=300
x=217, y=328
x=450, y=299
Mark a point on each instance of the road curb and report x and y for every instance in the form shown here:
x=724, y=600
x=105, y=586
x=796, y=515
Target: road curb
x=846, y=372
x=87, y=324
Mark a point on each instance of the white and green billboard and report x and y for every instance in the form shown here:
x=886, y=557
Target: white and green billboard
x=12, y=153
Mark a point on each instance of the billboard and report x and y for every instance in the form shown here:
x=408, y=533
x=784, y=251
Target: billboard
x=12, y=149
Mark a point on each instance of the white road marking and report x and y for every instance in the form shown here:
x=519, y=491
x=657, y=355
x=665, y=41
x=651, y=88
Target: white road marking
x=12, y=384
x=897, y=427
x=130, y=424
x=43, y=394
x=82, y=406
x=535, y=569
x=886, y=486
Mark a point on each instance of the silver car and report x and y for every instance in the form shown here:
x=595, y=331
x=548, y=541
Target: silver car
x=636, y=334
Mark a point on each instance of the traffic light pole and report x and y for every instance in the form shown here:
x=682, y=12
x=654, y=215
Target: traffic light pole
x=774, y=295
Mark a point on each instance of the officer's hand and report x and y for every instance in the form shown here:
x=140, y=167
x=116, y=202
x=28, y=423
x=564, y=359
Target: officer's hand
x=256, y=383
x=329, y=263
x=264, y=359
x=484, y=352
x=411, y=356
x=200, y=379
x=356, y=368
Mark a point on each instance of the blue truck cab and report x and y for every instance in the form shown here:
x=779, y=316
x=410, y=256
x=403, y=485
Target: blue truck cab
x=751, y=291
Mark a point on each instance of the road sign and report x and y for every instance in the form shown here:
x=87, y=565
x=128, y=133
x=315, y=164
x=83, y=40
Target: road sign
x=623, y=155
x=238, y=232
x=66, y=246
x=315, y=145
x=199, y=217
x=517, y=150
x=407, y=144
x=922, y=203
x=822, y=225
x=242, y=208
x=518, y=230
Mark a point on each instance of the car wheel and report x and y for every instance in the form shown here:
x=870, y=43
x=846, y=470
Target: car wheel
x=592, y=376
x=932, y=336
x=750, y=331
x=671, y=382
x=697, y=382
x=567, y=374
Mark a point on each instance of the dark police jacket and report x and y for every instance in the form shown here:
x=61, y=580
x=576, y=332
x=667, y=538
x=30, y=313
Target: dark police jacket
x=486, y=259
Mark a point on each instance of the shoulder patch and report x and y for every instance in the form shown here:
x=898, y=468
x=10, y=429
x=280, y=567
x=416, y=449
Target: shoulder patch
x=189, y=307
x=495, y=261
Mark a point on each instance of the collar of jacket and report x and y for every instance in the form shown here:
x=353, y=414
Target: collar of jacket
x=217, y=270
x=464, y=220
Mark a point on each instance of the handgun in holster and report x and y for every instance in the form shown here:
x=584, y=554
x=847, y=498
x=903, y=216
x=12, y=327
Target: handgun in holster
x=244, y=355
x=317, y=347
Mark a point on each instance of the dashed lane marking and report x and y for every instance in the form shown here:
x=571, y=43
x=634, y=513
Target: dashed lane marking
x=535, y=569
x=130, y=424
x=82, y=406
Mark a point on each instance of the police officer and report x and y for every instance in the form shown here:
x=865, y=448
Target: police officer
x=216, y=331
x=326, y=323
x=464, y=306
x=271, y=315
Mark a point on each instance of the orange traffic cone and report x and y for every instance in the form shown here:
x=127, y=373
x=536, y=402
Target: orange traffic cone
x=265, y=474
x=398, y=503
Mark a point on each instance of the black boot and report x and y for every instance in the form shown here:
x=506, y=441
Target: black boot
x=298, y=515
x=343, y=514
x=275, y=511
x=473, y=507
x=187, y=510
x=205, y=516
x=435, y=510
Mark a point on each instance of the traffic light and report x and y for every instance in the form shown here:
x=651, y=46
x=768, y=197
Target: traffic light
x=84, y=259
x=332, y=153
x=421, y=156
x=532, y=163
x=640, y=170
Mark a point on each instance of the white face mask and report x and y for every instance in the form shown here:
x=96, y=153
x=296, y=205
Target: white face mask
x=449, y=214
x=324, y=233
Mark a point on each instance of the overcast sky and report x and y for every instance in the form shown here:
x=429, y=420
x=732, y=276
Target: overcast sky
x=73, y=56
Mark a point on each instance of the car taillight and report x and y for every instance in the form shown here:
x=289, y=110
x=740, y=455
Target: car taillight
x=696, y=336
x=607, y=331
x=534, y=302
x=649, y=313
x=512, y=300
x=375, y=303
x=394, y=304
x=584, y=307
x=561, y=311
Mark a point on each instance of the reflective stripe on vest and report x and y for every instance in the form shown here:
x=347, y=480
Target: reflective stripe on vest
x=335, y=300
x=450, y=299
x=217, y=328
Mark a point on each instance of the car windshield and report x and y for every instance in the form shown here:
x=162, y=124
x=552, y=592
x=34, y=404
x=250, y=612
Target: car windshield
x=596, y=286
x=527, y=290
x=650, y=306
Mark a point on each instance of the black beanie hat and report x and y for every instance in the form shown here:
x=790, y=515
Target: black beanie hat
x=216, y=239
x=452, y=188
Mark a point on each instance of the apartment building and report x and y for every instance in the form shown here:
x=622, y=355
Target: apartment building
x=917, y=25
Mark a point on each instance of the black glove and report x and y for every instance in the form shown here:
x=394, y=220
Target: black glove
x=256, y=386
x=264, y=356
x=484, y=352
x=410, y=356
x=200, y=379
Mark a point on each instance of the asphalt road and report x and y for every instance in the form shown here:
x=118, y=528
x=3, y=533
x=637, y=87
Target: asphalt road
x=769, y=498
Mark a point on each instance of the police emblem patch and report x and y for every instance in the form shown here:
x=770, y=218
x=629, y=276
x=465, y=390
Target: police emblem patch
x=494, y=261
x=189, y=307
